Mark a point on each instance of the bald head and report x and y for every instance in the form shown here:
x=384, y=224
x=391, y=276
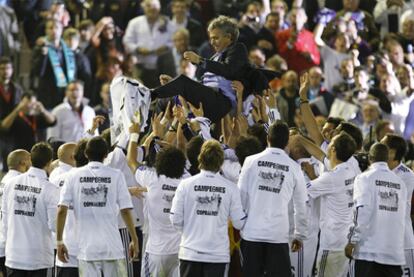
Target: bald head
x=66, y=153
x=19, y=160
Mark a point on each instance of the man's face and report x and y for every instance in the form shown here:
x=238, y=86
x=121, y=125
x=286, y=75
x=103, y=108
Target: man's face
x=257, y=58
x=315, y=77
x=219, y=40
x=351, y=5
x=6, y=72
x=327, y=131
x=361, y=78
x=298, y=19
x=180, y=42
x=279, y=7
x=331, y=149
x=370, y=113
x=179, y=9
x=408, y=28
x=347, y=69
x=341, y=44
x=86, y=34
x=386, y=83
x=272, y=23
x=74, y=94
x=151, y=10
x=72, y=43
x=290, y=81
x=53, y=30
x=396, y=54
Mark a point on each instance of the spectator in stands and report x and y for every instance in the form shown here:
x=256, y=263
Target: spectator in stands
x=250, y=24
x=85, y=28
x=149, y=36
x=364, y=22
x=345, y=87
x=26, y=124
x=319, y=96
x=395, y=54
x=280, y=7
x=370, y=117
x=11, y=94
x=387, y=13
x=169, y=62
x=74, y=117
x=71, y=37
x=53, y=66
x=288, y=98
x=9, y=30
x=107, y=46
x=103, y=108
x=181, y=19
x=265, y=38
x=405, y=76
x=257, y=57
x=406, y=36
x=296, y=44
x=382, y=128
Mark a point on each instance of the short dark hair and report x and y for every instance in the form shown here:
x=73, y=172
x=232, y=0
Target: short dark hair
x=86, y=24
x=5, y=60
x=79, y=153
x=278, y=135
x=192, y=150
x=352, y=130
x=211, y=156
x=345, y=146
x=334, y=120
x=247, y=146
x=258, y=131
x=96, y=149
x=397, y=143
x=272, y=14
x=170, y=162
x=378, y=153
x=41, y=154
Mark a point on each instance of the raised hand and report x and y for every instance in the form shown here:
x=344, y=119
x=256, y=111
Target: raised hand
x=304, y=86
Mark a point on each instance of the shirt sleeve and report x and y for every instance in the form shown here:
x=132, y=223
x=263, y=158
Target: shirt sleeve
x=52, y=199
x=130, y=37
x=66, y=193
x=299, y=206
x=321, y=186
x=362, y=210
x=177, y=208
x=237, y=216
x=124, y=198
x=243, y=184
x=144, y=176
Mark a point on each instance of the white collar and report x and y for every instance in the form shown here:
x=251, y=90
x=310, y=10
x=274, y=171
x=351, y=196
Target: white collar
x=37, y=172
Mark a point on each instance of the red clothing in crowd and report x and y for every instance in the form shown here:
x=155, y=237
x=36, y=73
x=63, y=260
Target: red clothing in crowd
x=294, y=54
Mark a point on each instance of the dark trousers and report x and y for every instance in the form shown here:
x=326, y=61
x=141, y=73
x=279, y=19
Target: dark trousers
x=215, y=104
x=67, y=271
x=373, y=269
x=200, y=269
x=11, y=272
x=134, y=268
x=3, y=266
x=265, y=259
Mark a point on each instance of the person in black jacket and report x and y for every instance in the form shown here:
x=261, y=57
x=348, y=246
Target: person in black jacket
x=215, y=92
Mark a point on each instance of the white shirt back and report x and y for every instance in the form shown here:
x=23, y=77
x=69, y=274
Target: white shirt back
x=29, y=216
x=267, y=182
x=163, y=238
x=380, y=200
x=97, y=193
x=407, y=176
x=57, y=172
x=202, y=206
x=335, y=189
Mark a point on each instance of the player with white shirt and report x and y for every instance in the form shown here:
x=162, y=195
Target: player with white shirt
x=267, y=183
x=376, y=239
x=18, y=162
x=97, y=193
x=70, y=233
x=303, y=260
x=66, y=161
x=161, y=250
x=397, y=148
x=201, y=208
x=335, y=189
x=28, y=216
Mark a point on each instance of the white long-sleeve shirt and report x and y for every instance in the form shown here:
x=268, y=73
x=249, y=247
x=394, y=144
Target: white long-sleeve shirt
x=71, y=125
x=335, y=189
x=407, y=176
x=139, y=34
x=29, y=217
x=201, y=208
x=379, y=223
x=268, y=181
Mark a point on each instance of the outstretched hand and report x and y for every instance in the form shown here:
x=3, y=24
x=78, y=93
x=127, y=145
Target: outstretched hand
x=304, y=86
